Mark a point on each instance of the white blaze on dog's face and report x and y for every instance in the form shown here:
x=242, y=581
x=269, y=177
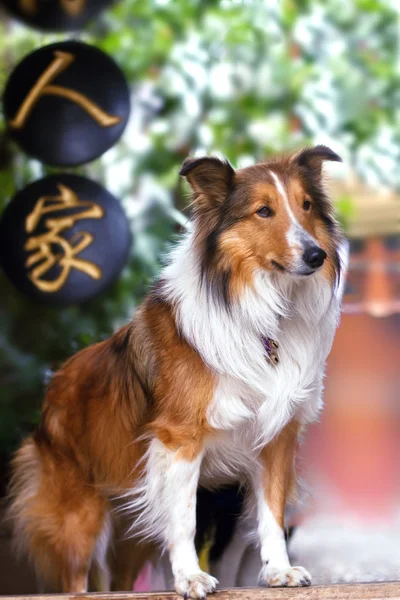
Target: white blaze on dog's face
x=301, y=253
x=273, y=216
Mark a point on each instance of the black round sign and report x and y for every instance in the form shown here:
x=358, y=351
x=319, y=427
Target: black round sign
x=63, y=239
x=56, y=15
x=66, y=104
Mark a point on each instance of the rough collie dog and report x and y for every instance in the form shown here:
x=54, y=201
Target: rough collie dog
x=214, y=379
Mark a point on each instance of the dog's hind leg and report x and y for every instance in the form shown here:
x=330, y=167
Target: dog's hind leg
x=129, y=556
x=57, y=518
x=100, y=571
x=128, y=553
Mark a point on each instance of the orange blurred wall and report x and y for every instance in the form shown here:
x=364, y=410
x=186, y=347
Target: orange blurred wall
x=355, y=449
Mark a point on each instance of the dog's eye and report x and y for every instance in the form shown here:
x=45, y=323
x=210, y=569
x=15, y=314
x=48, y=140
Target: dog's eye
x=307, y=205
x=265, y=211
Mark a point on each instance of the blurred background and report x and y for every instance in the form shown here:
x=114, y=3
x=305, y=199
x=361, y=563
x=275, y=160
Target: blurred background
x=245, y=79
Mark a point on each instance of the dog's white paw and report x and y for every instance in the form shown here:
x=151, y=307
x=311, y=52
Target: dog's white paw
x=197, y=585
x=290, y=577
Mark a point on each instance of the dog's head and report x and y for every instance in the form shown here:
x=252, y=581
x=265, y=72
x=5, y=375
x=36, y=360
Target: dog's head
x=273, y=216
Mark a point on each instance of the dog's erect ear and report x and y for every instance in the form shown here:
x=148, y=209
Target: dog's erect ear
x=209, y=177
x=313, y=158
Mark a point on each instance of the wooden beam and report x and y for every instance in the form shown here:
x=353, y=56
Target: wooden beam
x=357, y=591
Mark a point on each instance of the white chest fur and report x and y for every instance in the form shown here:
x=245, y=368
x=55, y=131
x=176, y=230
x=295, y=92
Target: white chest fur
x=247, y=417
x=254, y=399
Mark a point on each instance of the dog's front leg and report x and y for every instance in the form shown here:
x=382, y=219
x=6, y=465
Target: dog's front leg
x=272, y=483
x=173, y=476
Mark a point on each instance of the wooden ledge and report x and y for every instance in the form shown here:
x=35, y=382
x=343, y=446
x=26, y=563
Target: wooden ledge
x=356, y=591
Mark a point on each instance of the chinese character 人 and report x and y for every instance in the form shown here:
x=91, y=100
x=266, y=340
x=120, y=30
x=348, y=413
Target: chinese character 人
x=45, y=86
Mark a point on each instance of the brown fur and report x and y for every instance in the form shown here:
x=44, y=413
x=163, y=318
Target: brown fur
x=278, y=459
x=85, y=447
x=146, y=380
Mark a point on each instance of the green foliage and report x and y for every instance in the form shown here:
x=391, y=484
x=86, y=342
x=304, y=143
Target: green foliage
x=241, y=78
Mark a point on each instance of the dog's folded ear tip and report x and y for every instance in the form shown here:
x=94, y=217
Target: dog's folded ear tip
x=316, y=155
x=327, y=153
x=192, y=162
x=185, y=168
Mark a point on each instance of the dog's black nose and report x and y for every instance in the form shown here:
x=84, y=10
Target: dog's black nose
x=314, y=257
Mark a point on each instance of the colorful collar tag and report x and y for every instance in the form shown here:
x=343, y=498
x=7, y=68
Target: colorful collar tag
x=271, y=347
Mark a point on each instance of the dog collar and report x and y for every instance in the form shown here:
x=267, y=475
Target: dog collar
x=271, y=348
